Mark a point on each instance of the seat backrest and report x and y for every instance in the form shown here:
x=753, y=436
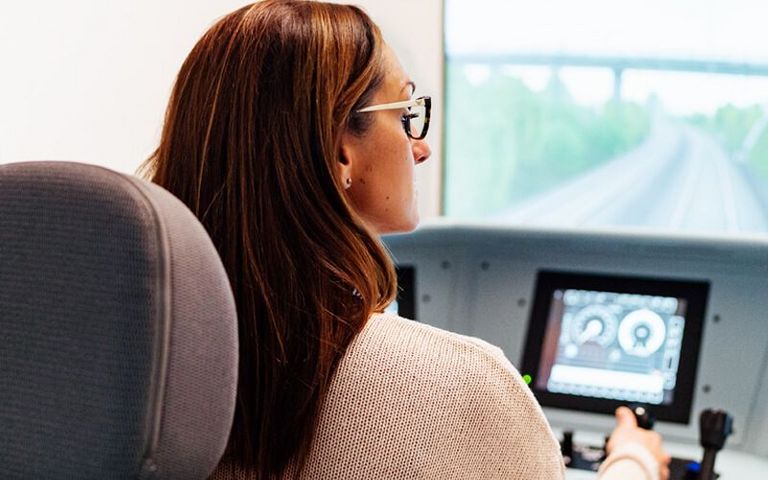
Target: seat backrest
x=118, y=331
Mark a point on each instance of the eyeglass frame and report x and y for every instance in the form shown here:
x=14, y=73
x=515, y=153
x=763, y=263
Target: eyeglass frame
x=425, y=101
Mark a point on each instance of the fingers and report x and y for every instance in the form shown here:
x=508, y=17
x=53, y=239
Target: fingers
x=625, y=417
x=664, y=473
x=627, y=431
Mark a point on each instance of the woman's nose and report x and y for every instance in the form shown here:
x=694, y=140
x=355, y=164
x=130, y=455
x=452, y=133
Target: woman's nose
x=421, y=151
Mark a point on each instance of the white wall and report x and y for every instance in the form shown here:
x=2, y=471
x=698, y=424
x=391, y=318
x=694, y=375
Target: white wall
x=88, y=80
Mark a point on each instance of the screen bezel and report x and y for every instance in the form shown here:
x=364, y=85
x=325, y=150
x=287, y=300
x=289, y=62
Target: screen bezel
x=695, y=292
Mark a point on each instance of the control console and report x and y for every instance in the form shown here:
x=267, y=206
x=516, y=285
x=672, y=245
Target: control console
x=715, y=427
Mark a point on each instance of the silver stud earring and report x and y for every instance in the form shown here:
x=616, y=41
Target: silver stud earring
x=348, y=182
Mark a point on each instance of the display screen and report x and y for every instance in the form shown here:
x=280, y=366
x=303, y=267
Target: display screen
x=613, y=345
x=596, y=342
x=405, y=302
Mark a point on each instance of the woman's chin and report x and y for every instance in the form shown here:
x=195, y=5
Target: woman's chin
x=404, y=226
x=410, y=224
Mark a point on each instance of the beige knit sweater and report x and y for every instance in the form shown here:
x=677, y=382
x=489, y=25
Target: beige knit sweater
x=410, y=401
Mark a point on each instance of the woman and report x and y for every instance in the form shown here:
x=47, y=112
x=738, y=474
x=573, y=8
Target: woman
x=292, y=133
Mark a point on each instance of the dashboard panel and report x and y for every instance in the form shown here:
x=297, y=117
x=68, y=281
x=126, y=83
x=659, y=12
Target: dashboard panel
x=481, y=280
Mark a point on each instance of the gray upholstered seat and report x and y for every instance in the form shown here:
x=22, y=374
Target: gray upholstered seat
x=118, y=336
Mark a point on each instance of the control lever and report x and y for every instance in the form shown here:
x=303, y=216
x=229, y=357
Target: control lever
x=714, y=428
x=644, y=417
x=582, y=457
x=566, y=446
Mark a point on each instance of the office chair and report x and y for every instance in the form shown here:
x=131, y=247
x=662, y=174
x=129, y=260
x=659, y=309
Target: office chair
x=118, y=331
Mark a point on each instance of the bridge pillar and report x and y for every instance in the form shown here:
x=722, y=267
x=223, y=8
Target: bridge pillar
x=617, y=73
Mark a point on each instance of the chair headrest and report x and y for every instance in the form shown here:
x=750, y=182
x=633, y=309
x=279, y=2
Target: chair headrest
x=118, y=331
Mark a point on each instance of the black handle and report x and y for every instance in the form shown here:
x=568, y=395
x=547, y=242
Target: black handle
x=566, y=445
x=644, y=417
x=714, y=427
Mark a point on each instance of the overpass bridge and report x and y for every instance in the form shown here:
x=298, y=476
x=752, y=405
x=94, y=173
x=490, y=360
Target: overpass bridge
x=616, y=64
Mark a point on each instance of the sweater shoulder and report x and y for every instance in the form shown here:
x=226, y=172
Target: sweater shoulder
x=392, y=351
x=434, y=404
x=390, y=338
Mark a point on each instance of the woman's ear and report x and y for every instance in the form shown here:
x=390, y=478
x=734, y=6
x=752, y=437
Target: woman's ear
x=347, y=160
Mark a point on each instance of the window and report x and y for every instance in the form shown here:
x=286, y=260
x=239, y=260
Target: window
x=648, y=115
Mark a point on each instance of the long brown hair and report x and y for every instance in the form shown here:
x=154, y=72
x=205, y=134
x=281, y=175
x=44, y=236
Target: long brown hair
x=250, y=143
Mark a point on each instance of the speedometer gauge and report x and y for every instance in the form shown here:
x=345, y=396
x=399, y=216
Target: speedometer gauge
x=595, y=324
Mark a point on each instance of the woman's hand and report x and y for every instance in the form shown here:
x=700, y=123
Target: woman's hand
x=627, y=431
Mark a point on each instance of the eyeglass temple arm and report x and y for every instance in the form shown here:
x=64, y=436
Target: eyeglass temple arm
x=391, y=106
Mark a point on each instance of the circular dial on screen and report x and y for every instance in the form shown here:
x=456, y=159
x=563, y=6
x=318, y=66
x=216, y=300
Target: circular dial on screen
x=596, y=324
x=642, y=333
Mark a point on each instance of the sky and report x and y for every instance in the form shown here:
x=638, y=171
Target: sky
x=681, y=29
x=733, y=29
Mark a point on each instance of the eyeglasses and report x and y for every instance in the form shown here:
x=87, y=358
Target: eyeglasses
x=416, y=121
